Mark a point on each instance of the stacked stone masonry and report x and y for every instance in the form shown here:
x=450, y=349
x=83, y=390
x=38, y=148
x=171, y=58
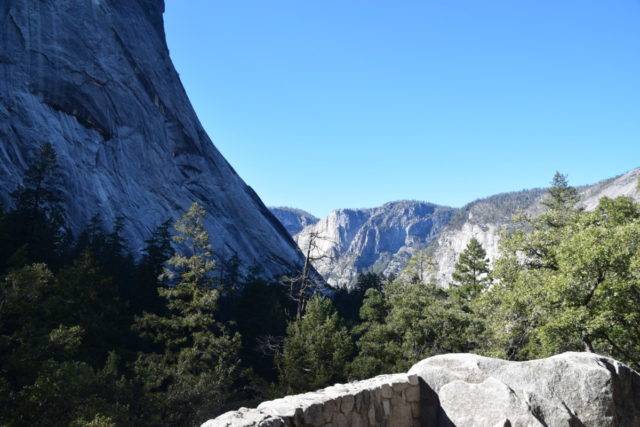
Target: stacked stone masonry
x=570, y=389
x=386, y=400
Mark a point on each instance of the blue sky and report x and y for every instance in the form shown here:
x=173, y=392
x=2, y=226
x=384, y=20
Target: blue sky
x=330, y=104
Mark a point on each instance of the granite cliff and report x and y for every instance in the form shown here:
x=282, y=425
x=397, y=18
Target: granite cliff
x=294, y=220
x=94, y=78
x=351, y=241
x=485, y=218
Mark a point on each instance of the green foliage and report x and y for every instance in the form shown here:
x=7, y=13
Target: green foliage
x=316, y=349
x=261, y=311
x=561, y=195
x=566, y=280
x=407, y=322
x=377, y=345
x=33, y=231
x=420, y=268
x=471, y=275
x=349, y=301
x=191, y=378
x=570, y=283
x=40, y=347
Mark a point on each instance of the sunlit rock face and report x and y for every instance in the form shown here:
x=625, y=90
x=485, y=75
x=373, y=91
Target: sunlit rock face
x=351, y=241
x=94, y=78
x=485, y=219
x=294, y=220
x=348, y=242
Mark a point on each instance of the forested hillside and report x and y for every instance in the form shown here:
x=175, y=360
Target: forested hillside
x=91, y=336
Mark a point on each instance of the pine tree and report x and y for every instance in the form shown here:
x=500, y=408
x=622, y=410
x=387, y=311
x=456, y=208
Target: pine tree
x=471, y=275
x=377, y=345
x=316, y=349
x=561, y=202
x=34, y=230
x=190, y=379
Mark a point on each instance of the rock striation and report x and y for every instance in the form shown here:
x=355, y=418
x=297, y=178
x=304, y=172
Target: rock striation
x=351, y=241
x=94, y=78
x=570, y=389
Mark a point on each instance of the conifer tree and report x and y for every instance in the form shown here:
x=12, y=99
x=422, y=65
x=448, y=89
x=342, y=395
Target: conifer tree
x=191, y=377
x=316, y=349
x=377, y=345
x=471, y=275
x=33, y=231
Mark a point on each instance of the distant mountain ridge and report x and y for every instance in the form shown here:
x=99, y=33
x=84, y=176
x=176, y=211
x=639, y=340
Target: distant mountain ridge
x=383, y=239
x=294, y=220
x=351, y=241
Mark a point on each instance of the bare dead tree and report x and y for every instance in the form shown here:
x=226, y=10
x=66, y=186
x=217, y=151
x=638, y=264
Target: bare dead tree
x=303, y=285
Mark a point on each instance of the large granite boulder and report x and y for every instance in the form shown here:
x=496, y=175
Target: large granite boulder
x=570, y=389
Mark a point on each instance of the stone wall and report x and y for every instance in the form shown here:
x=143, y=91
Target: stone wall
x=569, y=389
x=386, y=400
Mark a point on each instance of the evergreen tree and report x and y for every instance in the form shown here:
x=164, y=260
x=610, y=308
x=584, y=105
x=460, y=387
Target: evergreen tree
x=44, y=375
x=33, y=231
x=471, y=275
x=316, y=349
x=561, y=195
x=561, y=202
x=348, y=301
x=191, y=377
x=156, y=252
x=577, y=288
x=377, y=345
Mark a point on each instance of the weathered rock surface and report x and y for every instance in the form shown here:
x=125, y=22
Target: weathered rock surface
x=352, y=241
x=95, y=79
x=294, y=220
x=570, y=389
x=386, y=400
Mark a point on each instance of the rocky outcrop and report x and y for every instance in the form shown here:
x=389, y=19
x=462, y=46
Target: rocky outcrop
x=570, y=389
x=485, y=219
x=294, y=220
x=352, y=241
x=94, y=78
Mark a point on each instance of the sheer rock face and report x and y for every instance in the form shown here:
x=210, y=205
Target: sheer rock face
x=294, y=220
x=352, y=241
x=94, y=78
x=570, y=389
